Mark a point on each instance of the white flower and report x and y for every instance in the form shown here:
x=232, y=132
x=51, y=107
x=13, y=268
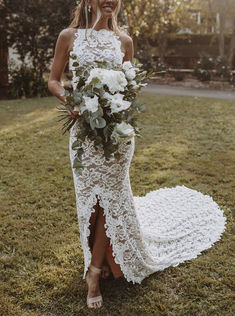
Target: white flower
x=95, y=73
x=108, y=96
x=125, y=129
x=130, y=71
x=122, y=130
x=91, y=104
x=130, y=74
x=116, y=102
x=133, y=83
x=115, y=80
x=126, y=65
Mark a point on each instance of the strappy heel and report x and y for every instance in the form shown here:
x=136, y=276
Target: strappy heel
x=95, y=299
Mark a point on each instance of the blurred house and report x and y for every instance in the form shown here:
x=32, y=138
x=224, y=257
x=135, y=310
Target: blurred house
x=205, y=35
x=204, y=23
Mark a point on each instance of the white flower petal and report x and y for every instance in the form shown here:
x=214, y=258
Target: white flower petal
x=91, y=104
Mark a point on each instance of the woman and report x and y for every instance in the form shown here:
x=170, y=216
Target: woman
x=135, y=236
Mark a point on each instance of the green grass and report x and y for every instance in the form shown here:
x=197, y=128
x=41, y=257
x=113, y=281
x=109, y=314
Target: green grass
x=186, y=141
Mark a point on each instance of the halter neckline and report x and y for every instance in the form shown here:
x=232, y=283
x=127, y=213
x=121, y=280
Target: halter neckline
x=97, y=30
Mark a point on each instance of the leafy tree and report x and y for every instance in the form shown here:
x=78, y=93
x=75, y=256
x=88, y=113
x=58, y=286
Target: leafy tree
x=154, y=20
x=32, y=28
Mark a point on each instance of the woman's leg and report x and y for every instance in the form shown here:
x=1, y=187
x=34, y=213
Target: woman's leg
x=100, y=243
x=93, y=220
x=105, y=267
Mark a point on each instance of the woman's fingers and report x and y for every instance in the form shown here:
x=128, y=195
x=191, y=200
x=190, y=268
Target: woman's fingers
x=74, y=114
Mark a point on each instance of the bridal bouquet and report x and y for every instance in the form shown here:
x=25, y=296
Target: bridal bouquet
x=106, y=101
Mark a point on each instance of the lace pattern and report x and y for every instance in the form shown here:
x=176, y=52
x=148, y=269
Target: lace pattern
x=150, y=233
x=102, y=45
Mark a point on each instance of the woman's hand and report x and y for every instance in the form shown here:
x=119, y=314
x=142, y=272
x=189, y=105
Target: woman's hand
x=74, y=114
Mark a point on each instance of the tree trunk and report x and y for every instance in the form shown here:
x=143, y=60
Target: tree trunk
x=3, y=60
x=232, y=46
x=222, y=19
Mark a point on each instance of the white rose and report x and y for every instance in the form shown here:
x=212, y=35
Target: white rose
x=131, y=74
x=115, y=80
x=95, y=73
x=91, y=104
x=116, y=102
x=125, y=129
x=126, y=65
x=108, y=96
x=122, y=130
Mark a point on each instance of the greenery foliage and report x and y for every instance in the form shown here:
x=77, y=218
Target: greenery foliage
x=179, y=76
x=208, y=67
x=24, y=82
x=203, y=67
x=32, y=29
x=222, y=67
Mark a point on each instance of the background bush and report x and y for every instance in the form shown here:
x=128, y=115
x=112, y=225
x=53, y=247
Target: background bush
x=24, y=82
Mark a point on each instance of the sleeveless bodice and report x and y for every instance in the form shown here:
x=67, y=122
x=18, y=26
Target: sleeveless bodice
x=101, y=45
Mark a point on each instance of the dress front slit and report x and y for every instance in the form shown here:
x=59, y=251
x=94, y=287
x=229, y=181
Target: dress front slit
x=114, y=267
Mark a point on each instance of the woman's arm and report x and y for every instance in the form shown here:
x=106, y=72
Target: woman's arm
x=129, y=48
x=60, y=60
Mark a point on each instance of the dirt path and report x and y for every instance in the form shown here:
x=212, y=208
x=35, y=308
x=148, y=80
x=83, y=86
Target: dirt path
x=181, y=91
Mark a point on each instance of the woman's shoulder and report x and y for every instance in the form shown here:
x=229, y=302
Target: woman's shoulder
x=125, y=37
x=67, y=33
x=126, y=41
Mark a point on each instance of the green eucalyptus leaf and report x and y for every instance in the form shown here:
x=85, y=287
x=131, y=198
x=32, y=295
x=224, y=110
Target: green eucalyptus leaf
x=117, y=156
x=98, y=140
x=77, y=163
x=77, y=96
x=76, y=144
x=106, y=133
x=80, y=151
x=98, y=122
x=75, y=64
x=79, y=170
x=94, y=81
x=66, y=93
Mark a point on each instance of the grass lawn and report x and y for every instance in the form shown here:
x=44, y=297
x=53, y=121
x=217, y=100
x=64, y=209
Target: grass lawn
x=186, y=141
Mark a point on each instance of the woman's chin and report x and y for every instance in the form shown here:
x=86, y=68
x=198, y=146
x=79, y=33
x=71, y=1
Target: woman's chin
x=107, y=14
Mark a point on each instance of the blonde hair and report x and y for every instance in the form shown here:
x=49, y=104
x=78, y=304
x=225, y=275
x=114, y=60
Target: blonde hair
x=82, y=18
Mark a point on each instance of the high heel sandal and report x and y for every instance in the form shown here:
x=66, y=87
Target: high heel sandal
x=95, y=299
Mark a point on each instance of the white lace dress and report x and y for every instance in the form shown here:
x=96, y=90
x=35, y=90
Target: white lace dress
x=150, y=233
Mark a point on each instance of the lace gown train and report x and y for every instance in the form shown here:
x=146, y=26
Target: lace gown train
x=147, y=234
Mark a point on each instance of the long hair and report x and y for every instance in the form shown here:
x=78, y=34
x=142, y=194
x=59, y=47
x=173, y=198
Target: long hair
x=82, y=17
